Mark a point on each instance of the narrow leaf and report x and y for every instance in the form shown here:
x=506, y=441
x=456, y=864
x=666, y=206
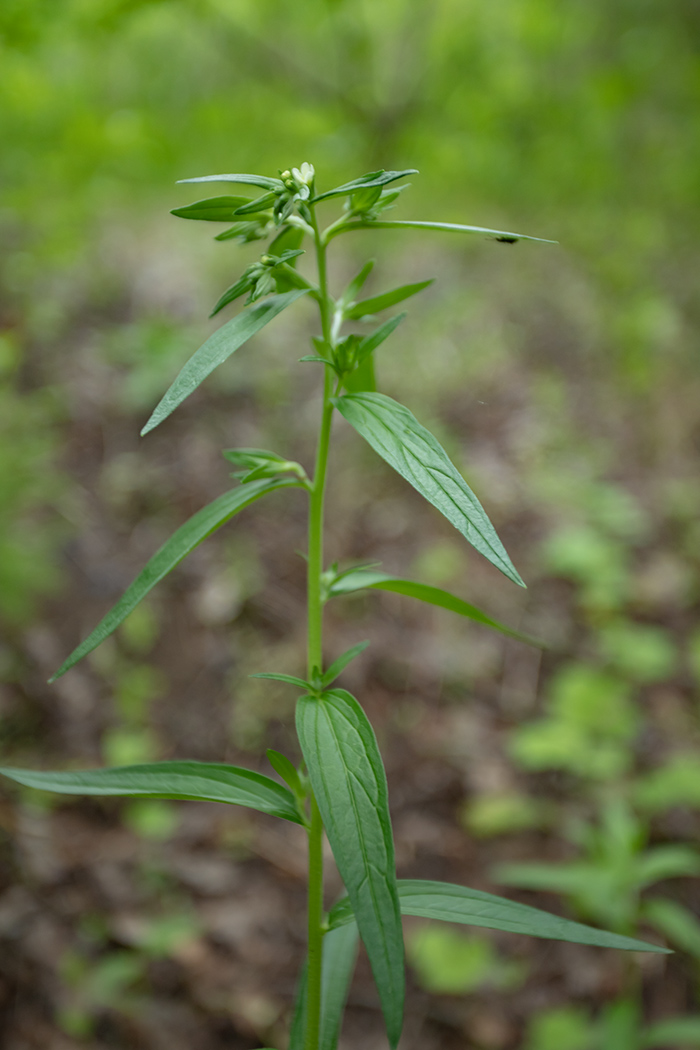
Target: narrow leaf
x=413, y=452
x=379, y=581
x=213, y=209
x=187, y=537
x=356, y=284
x=260, y=204
x=286, y=769
x=382, y=302
x=450, y=227
x=205, y=781
x=248, y=180
x=370, y=342
x=288, y=678
x=339, y=957
x=241, y=286
x=450, y=903
x=372, y=178
x=348, y=780
x=217, y=349
x=341, y=663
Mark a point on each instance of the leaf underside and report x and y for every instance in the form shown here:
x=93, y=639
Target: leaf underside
x=187, y=537
x=203, y=781
x=450, y=903
x=217, y=349
x=397, y=436
x=348, y=780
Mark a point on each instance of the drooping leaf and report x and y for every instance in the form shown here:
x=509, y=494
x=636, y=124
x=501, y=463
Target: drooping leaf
x=341, y=663
x=213, y=209
x=380, y=581
x=248, y=180
x=217, y=349
x=449, y=227
x=372, y=178
x=413, y=452
x=339, y=955
x=451, y=903
x=382, y=302
x=206, y=781
x=348, y=780
x=187, y=537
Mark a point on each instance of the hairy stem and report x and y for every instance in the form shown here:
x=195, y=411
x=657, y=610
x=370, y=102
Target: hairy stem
x=315, y=660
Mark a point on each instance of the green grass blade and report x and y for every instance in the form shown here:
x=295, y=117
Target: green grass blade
x=379, y=581
x=449, y=227
x=450, y=903
x=339, y=957
x=372, y=178
x=376, y=303
x=348, y=780
x=187, y=537
x=213, y=209
x=204, y=781
x=217, y=349
x=248, y=180
x=397, y=436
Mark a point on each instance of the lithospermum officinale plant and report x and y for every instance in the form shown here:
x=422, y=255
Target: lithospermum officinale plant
x=340, y=787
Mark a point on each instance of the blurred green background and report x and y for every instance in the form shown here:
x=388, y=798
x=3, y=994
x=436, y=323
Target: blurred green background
x=563, y=379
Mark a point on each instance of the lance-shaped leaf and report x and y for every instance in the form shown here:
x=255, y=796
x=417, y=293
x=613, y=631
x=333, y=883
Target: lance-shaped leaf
x=380, y=581
x=372, y=178
x=348, y=780
x=370, y=342
x=187, y=537
x=451, y=903
x=263, y=181
x=339, y=957
x=217, y=349
x=356, y=284
x=410, y=449
x=204, y=781
x=505, y=236
x=213, y=209
x=341, y=663
x=235, y=291
x=373, y=305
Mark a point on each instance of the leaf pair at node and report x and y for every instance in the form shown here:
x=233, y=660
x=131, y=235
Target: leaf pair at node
x=319, y=681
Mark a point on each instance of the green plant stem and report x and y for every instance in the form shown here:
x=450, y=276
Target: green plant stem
x=315, y=660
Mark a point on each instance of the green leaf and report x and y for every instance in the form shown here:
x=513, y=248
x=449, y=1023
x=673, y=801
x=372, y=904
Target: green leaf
x=213, y=209
x=341, y=663
x=348, y=780
x=339, y=957
x=413, y=452
x=666, y=862
x=288, y=678
x=248, y=180
x=379, y=581
x=187, y=537
x=362, y=379
x=677, y=1031
x=241, y=286
x=260, y=204
x=289, y=239
x=356, y=284
x=217, y=349
x=287, y=770
x=450, y=903
x=450, y=227
x=372, y=178
x=370, y=342
x=206, y=781
x=382, y=302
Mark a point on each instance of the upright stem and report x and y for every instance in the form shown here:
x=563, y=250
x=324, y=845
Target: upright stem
x=315, y=660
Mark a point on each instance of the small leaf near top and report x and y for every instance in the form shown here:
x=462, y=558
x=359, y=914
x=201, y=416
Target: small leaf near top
x=213, y=209
x=372, y=178
x=341, y=663
x=276, y=185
